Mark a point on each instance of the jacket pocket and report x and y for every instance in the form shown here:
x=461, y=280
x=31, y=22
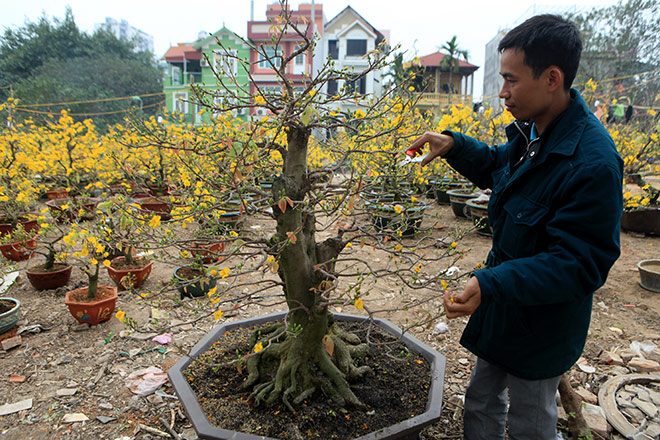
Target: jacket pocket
x=524, y=223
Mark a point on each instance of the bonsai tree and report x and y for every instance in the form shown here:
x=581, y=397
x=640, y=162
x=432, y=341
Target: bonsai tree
x=88, y=248
x=308, y=146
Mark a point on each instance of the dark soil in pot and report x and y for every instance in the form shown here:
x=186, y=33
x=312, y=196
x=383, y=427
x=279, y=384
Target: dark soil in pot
x=397, y=391
x=42, y=268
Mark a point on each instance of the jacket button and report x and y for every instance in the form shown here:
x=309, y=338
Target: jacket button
x=519, y=215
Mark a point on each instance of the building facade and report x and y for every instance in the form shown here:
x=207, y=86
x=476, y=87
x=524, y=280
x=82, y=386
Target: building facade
x=437, y=88
x=348, y=37
x=123, y=31
x=253, y=67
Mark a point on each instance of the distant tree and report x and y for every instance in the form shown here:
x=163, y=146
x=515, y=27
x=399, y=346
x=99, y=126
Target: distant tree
x=622, y=41
x=53, y=62
x=451, y=61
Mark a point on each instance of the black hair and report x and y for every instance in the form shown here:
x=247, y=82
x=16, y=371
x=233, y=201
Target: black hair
x=547, y=40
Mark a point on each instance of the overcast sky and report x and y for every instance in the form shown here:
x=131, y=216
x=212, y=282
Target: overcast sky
x=421, y=26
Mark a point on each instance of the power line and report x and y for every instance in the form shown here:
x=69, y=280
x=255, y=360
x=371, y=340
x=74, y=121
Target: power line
x=91, y=100
x=86, y=114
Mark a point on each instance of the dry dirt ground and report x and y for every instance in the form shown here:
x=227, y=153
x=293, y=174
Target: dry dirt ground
x=93, y=363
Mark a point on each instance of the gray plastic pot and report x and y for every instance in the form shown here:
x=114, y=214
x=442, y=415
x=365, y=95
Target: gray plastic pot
x=408, y=429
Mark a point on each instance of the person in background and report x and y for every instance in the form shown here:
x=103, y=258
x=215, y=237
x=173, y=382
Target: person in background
x=555, y=209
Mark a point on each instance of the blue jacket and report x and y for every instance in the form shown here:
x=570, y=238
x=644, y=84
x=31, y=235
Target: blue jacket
x=555, y=221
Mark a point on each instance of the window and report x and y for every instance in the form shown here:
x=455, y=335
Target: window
x=225, y=62
x=299, y=63
x=272, y=54
x=332, y=87
x=176, y=75
x=180, y=102
x=333, y=49
x=356, y=48
x=357, y=86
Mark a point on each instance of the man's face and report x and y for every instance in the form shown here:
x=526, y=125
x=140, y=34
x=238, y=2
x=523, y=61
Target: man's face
x=524, y=96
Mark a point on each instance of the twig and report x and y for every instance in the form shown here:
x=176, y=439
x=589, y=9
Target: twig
x=173, y=433
x=155, y=431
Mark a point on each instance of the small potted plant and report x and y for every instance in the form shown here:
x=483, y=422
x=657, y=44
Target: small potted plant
x=121, y=220
x=641, y=212
x=54, y=272
x=93, y=303
x=18, y=245
x=196, y=279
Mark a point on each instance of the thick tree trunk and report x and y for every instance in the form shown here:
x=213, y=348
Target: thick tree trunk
x=297, y=360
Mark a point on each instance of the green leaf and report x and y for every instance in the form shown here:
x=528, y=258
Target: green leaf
x=306, y=116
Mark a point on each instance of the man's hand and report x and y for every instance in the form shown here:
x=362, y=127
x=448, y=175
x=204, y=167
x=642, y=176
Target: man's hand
x=466, y=303
x=439, y=145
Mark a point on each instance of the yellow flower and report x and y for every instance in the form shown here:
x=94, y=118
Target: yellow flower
x=411, y=89
x=413, y=199
x=444, y=284
x=258, y=347
x=218, y=314
x=120, y=315
x=418, y=268
x=454, y=244
x=94, y=261
x=154, y=222
x=627, y=195
x=224, y=273
x=212, y=291
x=398, y=209
x=312, y=93
x=651, y=112
x=260, y=100
x=359, y=304
x=106, y=263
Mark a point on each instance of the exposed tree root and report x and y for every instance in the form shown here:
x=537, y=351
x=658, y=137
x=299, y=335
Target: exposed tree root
x=290, y=368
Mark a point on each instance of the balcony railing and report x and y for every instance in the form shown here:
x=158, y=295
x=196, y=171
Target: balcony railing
x=443, y=99
x=183, y=79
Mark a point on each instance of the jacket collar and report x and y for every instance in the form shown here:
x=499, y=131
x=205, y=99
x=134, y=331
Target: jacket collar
x=562, y=134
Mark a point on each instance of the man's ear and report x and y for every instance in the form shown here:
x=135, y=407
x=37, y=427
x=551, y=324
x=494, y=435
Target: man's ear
x=554, y=78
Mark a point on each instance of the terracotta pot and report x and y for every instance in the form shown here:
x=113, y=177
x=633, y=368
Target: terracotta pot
x=49, y=280
x=28, y=226
x=95, y=311
x=87, y=204
x=156, y=205
x=207, y=250
x=19, y=251
x=56, y=194
x=127, y=278
x=9, y=318
x=407, y=429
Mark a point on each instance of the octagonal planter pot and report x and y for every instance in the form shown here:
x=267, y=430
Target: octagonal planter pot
x=408, y=429
x=95, y=311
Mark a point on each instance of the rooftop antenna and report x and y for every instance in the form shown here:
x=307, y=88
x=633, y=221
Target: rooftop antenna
x=251, y=10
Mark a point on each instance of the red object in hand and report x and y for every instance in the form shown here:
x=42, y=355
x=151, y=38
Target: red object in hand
x=413, y=151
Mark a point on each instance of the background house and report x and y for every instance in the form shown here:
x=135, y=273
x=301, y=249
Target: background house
x=193, y=63
x=347, y=38
x=260, y=33
x=436, y=88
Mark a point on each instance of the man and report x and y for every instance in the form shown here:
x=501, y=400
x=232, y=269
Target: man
x=555, y=209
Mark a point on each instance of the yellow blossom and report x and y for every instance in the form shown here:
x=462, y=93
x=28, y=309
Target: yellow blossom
x=218, y=314
x=120, y=315
x=94, y=261
x=154, y=222
x=258, y=347
x=359, y=304
x=260, y=100
x=106, y=263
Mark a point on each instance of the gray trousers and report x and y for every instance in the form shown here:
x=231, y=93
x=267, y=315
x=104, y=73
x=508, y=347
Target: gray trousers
x=531, y=409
